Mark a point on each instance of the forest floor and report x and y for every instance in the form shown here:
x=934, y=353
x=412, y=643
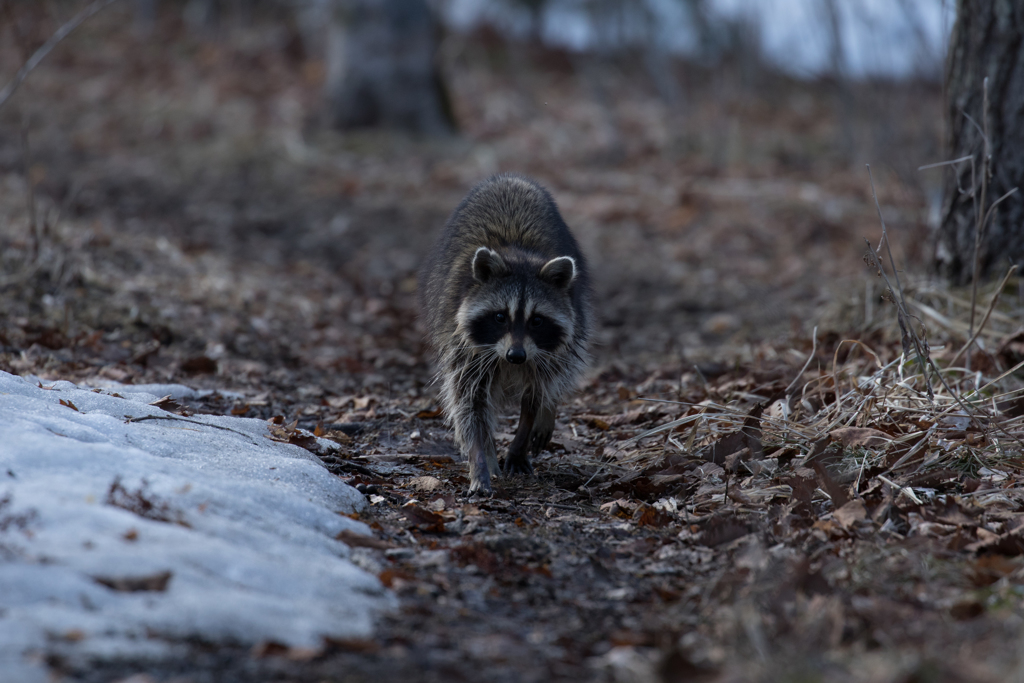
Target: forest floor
x=806, y=512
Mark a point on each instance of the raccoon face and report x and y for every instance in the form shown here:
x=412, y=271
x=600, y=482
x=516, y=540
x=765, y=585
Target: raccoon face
x=520, y=308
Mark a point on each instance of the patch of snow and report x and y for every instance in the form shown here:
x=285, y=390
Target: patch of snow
x=244, y=526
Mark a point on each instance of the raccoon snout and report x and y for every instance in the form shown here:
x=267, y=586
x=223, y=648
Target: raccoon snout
x=516, y=355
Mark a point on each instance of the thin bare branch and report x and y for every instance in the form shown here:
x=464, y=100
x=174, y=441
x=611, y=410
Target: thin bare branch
x=980, y=214
x=991, y=306
x=988, y=214
x=814, y=350
x=951, y=162
x=885, y=232
x=45, y=49
x=975, y=123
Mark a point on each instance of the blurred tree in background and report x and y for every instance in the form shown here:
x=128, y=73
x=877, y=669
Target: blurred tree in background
x=987, y=43
x=381, y=68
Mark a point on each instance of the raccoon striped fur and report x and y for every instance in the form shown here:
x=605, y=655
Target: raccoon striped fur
x=506, y=297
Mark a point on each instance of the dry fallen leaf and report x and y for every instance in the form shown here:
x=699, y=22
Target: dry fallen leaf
x=166, y=403
x=424, y=519
x=294, y=654
x=295, y=436
x=851, y=513
x=747, y=438
x=648, y=515
x=426, y=484
x=354, y=540
x=860, y=436
x=597, y=422
x=199, y=365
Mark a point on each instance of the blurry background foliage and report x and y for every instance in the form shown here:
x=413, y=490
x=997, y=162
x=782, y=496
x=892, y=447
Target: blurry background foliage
x=385, y=60
x=842, y=43
x=709, y=152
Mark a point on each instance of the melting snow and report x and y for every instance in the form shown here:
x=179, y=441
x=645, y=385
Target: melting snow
x=244, y=526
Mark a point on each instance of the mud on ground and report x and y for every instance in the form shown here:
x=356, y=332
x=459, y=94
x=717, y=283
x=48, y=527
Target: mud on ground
x=196, y=224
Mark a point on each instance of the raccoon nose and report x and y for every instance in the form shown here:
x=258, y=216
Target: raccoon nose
x=517, y=355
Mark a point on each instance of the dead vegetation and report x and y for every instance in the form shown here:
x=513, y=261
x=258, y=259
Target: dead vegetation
x=764, y=478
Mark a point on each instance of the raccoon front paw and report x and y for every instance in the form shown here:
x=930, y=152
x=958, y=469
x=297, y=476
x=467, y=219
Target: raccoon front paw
x=540, y=441
x=481, y=484
x=480, y=474
x=517, y=463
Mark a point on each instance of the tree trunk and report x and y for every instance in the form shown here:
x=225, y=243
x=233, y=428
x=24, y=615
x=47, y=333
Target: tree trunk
x=987, y=42
x=381, y=69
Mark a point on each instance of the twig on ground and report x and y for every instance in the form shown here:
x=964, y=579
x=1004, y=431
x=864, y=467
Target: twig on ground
x=917, y=448
x=173, y=418
x=905, y=490
x=557, y=506
x=593, y=476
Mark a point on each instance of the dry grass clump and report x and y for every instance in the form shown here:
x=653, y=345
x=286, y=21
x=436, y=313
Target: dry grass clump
x=884, y=427
x=892, y=417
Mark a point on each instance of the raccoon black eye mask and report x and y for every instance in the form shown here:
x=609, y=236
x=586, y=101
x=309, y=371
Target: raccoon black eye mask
x=506, y=296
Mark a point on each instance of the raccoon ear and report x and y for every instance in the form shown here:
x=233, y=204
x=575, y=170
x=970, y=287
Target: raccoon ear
x=487, y=264
x=559, y=272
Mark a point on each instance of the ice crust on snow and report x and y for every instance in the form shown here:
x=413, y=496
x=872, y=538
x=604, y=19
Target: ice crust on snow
x=248, y=537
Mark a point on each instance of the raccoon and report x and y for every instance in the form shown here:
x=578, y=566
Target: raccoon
x=506, y=297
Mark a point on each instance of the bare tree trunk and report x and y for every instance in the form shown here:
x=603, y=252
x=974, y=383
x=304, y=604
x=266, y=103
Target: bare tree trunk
x=987, y=42
x=381, y=69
